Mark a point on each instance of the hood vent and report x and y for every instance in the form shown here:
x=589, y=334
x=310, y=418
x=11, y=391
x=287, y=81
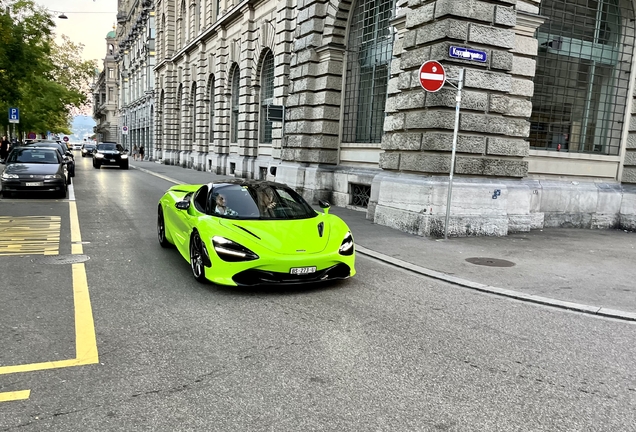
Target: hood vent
x=321, y=228
x=247, y=231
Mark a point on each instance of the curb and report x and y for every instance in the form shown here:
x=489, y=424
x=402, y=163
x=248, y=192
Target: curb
x=545, y=301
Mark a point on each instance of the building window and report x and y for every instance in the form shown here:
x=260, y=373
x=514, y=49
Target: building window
x=267, y=97
x=369, y=52
x=582, y=76
x=110, y=94
x=212, y=108
x=111, y=73
x=235, y=106
x=182, y=24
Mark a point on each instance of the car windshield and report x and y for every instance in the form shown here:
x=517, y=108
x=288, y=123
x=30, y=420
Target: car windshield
x=34, y=156
x=257, y=201
x=107, y=146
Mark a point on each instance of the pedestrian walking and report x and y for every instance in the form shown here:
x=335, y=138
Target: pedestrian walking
x=141, y=152
x=135, y=152
x=4, y=148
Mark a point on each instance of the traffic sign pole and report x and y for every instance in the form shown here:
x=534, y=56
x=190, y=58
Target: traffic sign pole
x=460, y=86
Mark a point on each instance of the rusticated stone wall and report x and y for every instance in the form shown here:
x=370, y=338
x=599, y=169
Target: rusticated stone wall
x=496, y=99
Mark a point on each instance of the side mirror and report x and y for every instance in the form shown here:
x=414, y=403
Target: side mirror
x=323, y=204
x=182, y=205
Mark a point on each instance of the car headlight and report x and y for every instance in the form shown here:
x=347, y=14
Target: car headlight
x=230, y=251
x=6, y=176
x=99, y=155
x=346, y=248
x=124, y=156
x=53, y=176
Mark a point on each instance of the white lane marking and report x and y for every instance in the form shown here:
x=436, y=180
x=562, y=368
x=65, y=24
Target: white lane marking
x=168, y=179
x=71, y=192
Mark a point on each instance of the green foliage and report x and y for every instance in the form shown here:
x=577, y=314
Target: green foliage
x=45, y=79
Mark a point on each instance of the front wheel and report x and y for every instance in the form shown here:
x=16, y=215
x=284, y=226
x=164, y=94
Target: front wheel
x=196, y=257
x=124, y=165
x=161, y=229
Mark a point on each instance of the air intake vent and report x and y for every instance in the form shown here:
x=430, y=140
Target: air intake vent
x=360, y=195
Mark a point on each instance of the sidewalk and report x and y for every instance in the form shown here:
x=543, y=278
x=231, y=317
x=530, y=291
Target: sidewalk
x=587, y=267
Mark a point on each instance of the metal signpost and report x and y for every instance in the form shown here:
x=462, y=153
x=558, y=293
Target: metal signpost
x=432, y=79
x=460, y=85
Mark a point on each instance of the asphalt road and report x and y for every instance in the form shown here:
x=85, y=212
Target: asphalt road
x=384, y=351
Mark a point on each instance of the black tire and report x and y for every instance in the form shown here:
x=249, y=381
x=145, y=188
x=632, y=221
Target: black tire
x=6, y=194
x=124, y=165
x=196, y=258
x=97, y=165
x=161, y=229
x=62, y=194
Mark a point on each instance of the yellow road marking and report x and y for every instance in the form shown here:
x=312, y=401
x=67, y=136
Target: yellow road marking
x=14, y=396
x=29, y=235
x=85, y=340
x=76, y=235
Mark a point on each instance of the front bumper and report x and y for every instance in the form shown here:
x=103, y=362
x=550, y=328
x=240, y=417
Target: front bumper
x=111, y=160
x=19, y=185
x=275, y=269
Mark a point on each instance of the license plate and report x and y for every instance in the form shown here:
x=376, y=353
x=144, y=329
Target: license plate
x=302, y=270
x=112, y=160
x=34, y=183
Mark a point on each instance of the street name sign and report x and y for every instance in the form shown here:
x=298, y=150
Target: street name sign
x=14, y=115
x=432, y=76
x=468, y=54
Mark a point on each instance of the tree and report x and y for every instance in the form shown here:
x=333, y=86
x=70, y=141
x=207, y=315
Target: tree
x=46, y=80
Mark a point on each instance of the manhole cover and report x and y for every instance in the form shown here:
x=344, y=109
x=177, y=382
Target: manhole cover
x=63, y=259
x=490, y=262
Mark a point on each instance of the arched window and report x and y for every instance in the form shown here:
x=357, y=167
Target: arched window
x=582, y=75
x=267, y=97
x=369, y=52
x=193, y=115
x=182, y=24
x=212, y=107
x=235, y=106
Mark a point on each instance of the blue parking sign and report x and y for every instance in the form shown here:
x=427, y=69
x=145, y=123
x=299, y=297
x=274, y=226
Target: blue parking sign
x=14, y=115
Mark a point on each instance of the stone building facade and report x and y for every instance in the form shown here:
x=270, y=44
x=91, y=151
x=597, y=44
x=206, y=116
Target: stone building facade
x=136, y=62
x=105, y=94
x=546, y=135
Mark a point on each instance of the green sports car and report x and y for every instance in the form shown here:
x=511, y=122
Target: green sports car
x=248, y=232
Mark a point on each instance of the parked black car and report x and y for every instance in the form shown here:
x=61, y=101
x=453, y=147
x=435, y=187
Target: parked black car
x=64, y=152
x=88, y=149
x=110, y=154
x=33, y=169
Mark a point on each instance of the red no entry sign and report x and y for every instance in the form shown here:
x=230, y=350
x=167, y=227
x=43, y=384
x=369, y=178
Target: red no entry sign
x=65, y=139
x=432, y=76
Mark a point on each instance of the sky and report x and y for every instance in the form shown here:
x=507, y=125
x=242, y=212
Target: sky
x=88, y=23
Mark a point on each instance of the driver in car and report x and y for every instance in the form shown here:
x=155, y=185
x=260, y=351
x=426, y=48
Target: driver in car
x=222, y=208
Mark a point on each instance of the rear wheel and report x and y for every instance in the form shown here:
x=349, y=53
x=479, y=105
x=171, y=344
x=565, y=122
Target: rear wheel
x=161, y=229
x=196, y=257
